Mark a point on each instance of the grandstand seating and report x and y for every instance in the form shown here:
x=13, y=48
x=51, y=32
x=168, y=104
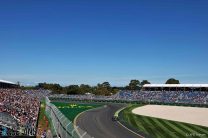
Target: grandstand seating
x=186, y=97
x=189, y=97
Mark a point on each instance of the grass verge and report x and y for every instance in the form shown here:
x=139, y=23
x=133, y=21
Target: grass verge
x=71, y=110
x=160, y=128
x=43, y=122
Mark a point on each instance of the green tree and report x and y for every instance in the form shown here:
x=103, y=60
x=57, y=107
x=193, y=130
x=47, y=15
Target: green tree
x=134, y=85
x=114, y=90
x=145, y=82
x=106, y=84
x=103, y=89
x=72, y=89
x=172, y=81
x=85, y=89
x=56, y=88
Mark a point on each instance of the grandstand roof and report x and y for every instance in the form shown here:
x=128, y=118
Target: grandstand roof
x=9, y=82
x=176, y=85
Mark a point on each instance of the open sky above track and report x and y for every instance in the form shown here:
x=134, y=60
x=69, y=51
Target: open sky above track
x=74, y=42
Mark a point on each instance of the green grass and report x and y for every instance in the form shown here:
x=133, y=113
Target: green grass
x=42, y=112
x=160, y=128
x=42, y=119
x=71, y=110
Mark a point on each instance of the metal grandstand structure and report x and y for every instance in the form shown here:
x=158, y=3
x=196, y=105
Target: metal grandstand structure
x=62, y=126
x=7, y=84
x=175, y=87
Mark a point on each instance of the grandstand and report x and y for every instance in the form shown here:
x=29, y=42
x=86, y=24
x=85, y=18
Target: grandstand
x=175, y=87
x=168, y=93
x=7, y=84
x=162, y=93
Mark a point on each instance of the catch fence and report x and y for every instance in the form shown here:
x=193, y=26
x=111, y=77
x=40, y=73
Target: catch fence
x=62, y=126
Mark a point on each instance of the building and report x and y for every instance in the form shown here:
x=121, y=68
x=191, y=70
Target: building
x=7, y=84
x=175, y=87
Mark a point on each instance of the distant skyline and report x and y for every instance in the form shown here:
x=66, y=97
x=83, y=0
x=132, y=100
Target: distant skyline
x=89, y=42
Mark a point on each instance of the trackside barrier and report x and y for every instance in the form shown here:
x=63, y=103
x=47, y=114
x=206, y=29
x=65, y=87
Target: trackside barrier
x=205, y=105
x=62, y=126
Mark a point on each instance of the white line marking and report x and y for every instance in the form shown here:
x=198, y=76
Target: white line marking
x=130, y=130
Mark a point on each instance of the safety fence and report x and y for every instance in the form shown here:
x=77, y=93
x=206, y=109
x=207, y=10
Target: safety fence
x=62, y=126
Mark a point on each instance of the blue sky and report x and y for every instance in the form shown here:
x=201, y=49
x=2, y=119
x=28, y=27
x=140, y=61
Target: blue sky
x=90, y=41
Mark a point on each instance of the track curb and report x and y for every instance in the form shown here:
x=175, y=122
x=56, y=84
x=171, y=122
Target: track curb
x=117, y=114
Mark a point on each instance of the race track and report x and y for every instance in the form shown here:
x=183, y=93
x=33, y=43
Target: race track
x=98, y=123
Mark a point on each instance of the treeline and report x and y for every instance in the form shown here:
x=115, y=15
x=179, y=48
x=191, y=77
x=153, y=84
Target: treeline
x=101, y=89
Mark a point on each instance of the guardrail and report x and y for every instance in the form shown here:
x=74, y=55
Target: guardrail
x=62, y=126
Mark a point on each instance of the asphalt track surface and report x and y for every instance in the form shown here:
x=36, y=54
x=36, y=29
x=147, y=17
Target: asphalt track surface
x=98, y=123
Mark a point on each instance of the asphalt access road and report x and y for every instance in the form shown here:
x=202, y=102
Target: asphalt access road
x=98, y=123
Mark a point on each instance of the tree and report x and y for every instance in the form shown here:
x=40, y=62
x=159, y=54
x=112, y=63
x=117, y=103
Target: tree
x=103, y=89
x=145, y=82
x=172, y=81
x=85, y=89
x=56, y=88
x=115, y=90
x=72, y=89
x=106, y=84
x=134, y=85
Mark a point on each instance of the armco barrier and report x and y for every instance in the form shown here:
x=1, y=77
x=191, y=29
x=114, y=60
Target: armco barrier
x=62, y=126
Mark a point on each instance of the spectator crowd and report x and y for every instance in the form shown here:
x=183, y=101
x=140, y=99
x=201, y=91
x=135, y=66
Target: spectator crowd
x=22, y=105
x=187, y=97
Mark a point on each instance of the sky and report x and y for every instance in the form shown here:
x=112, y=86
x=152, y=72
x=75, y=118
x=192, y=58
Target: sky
x=91, y=41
